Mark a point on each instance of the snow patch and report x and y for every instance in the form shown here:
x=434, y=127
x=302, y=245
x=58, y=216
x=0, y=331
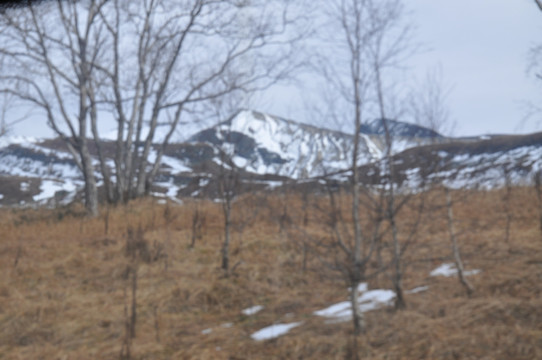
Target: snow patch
x=450, y=270
x=252, y=310
x=417, y=290
x=25, y=186
x=50, y=187
x=273, y=331
x=369, y=300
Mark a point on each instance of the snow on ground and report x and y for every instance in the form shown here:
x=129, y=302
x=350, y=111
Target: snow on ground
x=177, y=166
x=25, y=186
x=50, y=187
x=369, y=300
x=207, y=331
x=339, y=312
x=27, y=167
x=450, y=270
x=301, y=148
x=252, y=310
x=417, y=290
x=172, y=191
x=273, y=331
x=336, y=310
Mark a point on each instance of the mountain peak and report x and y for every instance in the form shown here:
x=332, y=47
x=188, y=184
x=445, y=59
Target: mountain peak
x=264, y=143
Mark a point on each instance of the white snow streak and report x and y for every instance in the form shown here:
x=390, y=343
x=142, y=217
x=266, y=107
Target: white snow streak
x=273, y=331
x=450, y=270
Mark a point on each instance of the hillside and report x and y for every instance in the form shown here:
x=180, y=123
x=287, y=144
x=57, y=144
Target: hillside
x=265, y=151
x=67, y=284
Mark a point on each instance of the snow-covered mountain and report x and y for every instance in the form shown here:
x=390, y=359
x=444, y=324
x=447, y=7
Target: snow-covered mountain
x=266, y=150
x=463, y=163
x=266, y=144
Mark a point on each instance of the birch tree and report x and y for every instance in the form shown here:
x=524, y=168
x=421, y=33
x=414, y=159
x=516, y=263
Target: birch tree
x=455, y=247
x=144, y=68
x=371, y=38
x=53, y=68
x=182, y=57
x=428, y=104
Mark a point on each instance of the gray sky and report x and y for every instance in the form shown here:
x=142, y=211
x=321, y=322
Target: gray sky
x=483, y=46
x=482, y=49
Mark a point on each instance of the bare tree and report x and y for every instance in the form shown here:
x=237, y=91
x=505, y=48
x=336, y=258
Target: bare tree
x=372, y=40
x=146, y=67
x=185, y=57
x=228, y=177
x=428, y=104
x=455, y=247
x=507, y=198
x=384, y=56
x=534, y=68
x=228, y=182
x=537, y=182
x=53, y=69
x=7, y=105
x=198, y=223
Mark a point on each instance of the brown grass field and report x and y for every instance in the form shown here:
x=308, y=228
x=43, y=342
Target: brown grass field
x=65, y=292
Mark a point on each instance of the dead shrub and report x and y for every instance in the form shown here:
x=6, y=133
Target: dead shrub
x=137, y=247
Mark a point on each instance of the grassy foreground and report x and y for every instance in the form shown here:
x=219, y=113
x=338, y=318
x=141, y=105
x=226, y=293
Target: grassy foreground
x=66, y=285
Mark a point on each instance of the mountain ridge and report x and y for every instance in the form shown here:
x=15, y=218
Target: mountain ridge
x=266, y=150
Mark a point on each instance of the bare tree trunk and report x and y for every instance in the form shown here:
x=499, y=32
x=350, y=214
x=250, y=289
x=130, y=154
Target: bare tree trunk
x=357, y=316
x=371, y=38
x=126, y=348
x=55, y=80
x=91, y=190
x=358, y=236
x=398, y=276
x=538, y=189
x=455, y=247
x=390, y=195
x=227, y=228
x=106, y=176
x=507, y=199
x=133, y=314
x=198, y=220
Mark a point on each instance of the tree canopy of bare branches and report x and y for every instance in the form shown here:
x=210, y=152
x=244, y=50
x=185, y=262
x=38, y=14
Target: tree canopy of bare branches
x=368, y=39
x=142, y=68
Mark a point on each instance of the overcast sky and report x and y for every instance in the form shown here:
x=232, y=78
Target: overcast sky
x=482, y=48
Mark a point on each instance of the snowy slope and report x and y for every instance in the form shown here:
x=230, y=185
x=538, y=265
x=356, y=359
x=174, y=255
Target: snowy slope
x=265, y=144
x=470, y=163
x=41, y=171
x=268, y=150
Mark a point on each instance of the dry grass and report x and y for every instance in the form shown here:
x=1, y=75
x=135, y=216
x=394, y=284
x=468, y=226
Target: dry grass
x=64, y=289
